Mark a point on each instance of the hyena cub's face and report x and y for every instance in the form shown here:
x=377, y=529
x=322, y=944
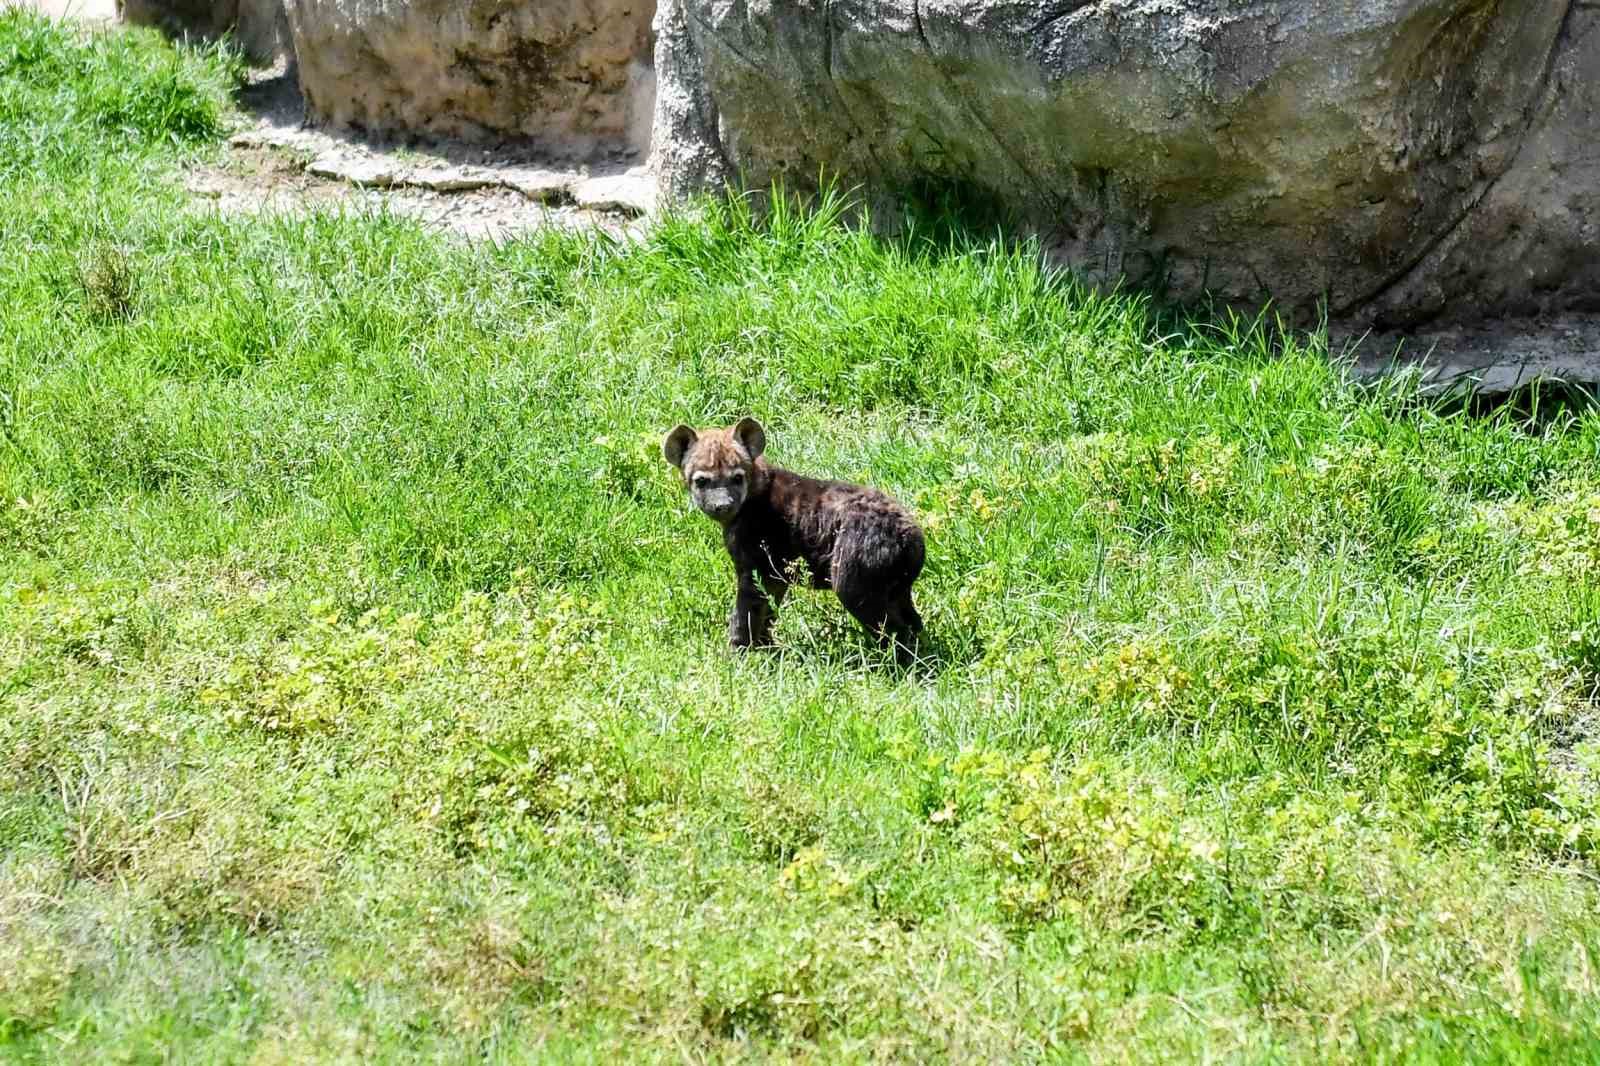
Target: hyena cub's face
x=718, y=465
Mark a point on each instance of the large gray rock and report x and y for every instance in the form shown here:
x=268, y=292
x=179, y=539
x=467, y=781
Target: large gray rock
x=572, y=77
x=1393, y=159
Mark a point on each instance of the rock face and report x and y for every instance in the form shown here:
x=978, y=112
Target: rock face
x=572, y=77
x=1393, y=159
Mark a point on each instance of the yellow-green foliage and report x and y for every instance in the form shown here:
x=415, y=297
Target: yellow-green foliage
x=1555, y=537
x=1162, y=484
x=1142, y=677
x=1085, y=842
x=36, y=962
x=332, y=670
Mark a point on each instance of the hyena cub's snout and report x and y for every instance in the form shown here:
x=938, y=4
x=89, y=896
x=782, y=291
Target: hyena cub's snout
x=720, y=498
x=854, y=540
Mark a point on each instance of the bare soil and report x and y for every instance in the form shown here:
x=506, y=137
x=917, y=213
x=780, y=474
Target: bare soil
x=83, y=10
x=275, y=162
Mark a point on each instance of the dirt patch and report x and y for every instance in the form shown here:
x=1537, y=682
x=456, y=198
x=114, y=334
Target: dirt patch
x=275, y=163
x=92, y=11
x=271, y=179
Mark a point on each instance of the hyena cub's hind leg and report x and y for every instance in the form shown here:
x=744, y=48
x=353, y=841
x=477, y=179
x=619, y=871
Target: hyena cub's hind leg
x=904, y=619
x=903, y=627
x=890, y=617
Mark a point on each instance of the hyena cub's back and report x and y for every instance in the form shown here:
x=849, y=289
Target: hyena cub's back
x=856, y=540
x=865, y=529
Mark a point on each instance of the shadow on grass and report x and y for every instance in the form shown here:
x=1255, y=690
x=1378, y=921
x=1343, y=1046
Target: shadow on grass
x=1533, y=406
x=937, y=218
x=845, y=646
x=1536, y=405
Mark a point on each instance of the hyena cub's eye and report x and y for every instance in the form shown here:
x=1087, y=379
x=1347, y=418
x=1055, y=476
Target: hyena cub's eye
x=738, y=477
x=702, y=480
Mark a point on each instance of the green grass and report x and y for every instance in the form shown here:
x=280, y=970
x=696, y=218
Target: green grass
x=364, y=696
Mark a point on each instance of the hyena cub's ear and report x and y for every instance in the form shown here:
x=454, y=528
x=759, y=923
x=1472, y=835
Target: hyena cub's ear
x=751, y=437
x=677, y=445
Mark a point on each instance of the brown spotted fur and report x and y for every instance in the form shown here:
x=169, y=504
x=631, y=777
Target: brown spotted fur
x=854, y=540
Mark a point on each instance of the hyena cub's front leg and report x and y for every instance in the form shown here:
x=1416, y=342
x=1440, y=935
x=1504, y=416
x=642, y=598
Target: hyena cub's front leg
x=750, y=624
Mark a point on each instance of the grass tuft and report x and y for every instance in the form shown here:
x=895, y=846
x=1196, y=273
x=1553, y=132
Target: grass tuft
x=109, y=283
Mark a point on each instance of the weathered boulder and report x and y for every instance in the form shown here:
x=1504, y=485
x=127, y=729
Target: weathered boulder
x=258, y=25
x=572, y=77
x=1393, y=160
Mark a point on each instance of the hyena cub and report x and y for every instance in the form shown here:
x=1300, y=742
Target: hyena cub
x=854, y=540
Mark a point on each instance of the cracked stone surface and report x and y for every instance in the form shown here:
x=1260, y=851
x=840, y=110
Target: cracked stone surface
x=447, y=178
x=1399, y=161
x=258, y=178
x=544, y=186
x=355, y=169
x=632, y=192
x=1492, y=358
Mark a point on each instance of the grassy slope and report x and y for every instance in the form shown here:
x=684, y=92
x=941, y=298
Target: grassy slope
x=363, y=689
